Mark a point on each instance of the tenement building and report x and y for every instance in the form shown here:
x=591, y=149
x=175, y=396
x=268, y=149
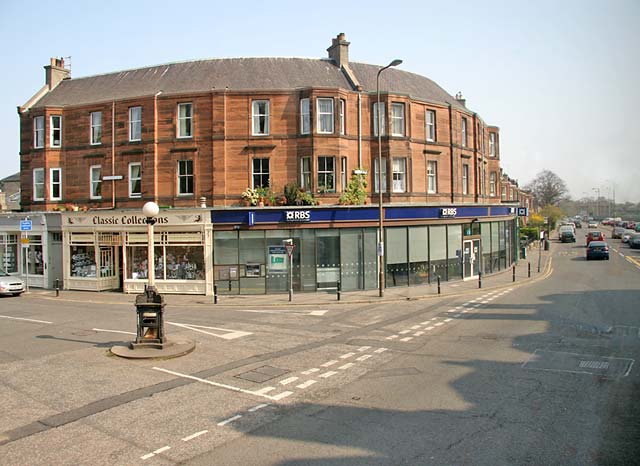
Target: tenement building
x=244, y=153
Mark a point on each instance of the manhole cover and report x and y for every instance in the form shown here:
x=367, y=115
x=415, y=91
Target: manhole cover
x=262, y=374
x=557, y=361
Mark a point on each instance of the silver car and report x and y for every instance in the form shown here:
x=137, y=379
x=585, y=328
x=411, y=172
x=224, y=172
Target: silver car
x=627, y=234
x=10, y=284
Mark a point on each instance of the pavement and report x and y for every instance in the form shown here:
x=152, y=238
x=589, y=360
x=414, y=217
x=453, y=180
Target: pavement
x=538, y=261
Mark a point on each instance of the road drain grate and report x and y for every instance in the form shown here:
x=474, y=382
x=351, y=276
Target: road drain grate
x=262, y=374
x=558, y=361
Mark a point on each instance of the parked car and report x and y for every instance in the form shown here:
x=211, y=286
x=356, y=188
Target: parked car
x=10, y=284
x=626, y=235
x=617, y=232
x=567, y=236
x=634, y=241
x=594, y=236
x=578, y=223
x=598, y=250
x=592, y=224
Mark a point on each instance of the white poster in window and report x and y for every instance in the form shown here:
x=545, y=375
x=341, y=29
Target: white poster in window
x=277, y=259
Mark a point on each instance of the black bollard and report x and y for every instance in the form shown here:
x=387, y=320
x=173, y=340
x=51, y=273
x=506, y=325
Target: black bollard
x=57, y=287
x=529, y=270
x=514, y=273
x=338, y=290
x=479, y=279
x=438, y=284
x=215, y=294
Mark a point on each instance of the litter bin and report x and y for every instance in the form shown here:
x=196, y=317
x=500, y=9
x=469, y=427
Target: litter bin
x=523, y=252
x=546, y=244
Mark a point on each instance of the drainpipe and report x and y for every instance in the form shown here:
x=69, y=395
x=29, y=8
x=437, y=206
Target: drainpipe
x=453, y=178
x=155, y=146
x=359, y=129
x=113, y=153
x=475, y=156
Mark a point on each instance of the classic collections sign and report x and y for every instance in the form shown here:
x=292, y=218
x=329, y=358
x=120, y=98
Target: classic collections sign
x=126, y=220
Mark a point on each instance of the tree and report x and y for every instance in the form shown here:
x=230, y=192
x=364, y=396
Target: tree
x=548, y=188
x=553, y=214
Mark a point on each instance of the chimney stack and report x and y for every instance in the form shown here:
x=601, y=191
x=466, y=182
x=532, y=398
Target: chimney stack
x=461, y=99
x=339, y=50
x=55, y=72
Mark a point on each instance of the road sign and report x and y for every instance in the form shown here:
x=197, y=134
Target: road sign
x=25, y=225
x=289, y=248
x=25, y=240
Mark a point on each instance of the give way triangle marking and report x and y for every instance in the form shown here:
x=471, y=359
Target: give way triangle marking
x=227, y=335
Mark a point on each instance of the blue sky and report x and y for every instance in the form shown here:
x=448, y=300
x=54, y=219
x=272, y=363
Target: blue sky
x=560, y=78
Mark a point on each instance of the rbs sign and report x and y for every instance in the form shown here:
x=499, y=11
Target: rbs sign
x=297, y=215
x=448, y=212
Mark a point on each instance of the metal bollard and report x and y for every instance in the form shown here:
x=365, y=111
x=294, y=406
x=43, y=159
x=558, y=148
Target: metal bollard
x=529, y=270
x=57, y=287
x=438, y=284
x=215, y=294
x=479, y=279
x=514, y=273
x=339, y=290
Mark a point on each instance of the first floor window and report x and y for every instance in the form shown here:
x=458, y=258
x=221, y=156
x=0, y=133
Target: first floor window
x=432, y=176
x=95, y=174
x=38, y=184
x=96, y=128
x=397, y=119
x=38, y=132
x=135, y=123
x=378, y=108
x=185, y=120
x=492, y=144
x=376, y=181
x=503, y=194
x=464, y=132
x=305, y=173
x=343, y=113
x=399, y=175
x=326, y=174
x=135, y=180
x=305, y=117
x=55, y=187
x=430, y=118
x=343, y=173
x=185, y=177
x=55, y=131
x=260, y=117
x=325, y=116
x=260, y=173
x=465, y=179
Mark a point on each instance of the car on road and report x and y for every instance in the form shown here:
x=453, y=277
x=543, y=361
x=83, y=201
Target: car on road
x=626, y=235
x=592, y=224
x=594, y=236
x=598, y=250
x=617, y=232
x=10, y=284
x=634, y=241
x=567, y=236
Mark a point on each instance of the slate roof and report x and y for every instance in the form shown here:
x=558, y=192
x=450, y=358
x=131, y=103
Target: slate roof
x=266, y=74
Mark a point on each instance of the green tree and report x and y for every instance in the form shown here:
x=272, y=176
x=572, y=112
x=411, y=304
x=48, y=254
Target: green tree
x=553, y=214
x=356, y=192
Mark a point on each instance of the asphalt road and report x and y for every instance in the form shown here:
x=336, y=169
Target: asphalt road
x=540, y=374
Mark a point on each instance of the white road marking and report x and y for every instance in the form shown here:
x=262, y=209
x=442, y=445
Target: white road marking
x=415, y=327
x=364, y=358
x=364, y=348
x=439, y=324
x=231, y=419
x=429, y=328
x=406, y=339
x=160, y=450
x=348, y=355
x=282, y=395
x=311, y=371
x=256, y=408
x=404, y=332
x=147, y=456
x=329, y=363
x=448, y=320
x=346, y=366
x=392, y=337
x=265, y=390
x=284, y=311
x=381, y=350
x=326, y=375
x=307, y=384
x=425, y=322
x=418, y=334
x=113, y=331
x=228, y=335
x=317, y=313
x=621, y=255
x=28, y=320
x=289, y=380
x=192, y=436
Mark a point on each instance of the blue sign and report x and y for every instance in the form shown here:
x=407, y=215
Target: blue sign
x=523, y=212
x=25, y=225
x=252, y=219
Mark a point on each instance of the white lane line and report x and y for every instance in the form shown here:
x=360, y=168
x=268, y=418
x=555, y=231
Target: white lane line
x=284, y=311
x=621, y=255
x=486, y=302
x=415, y=327
x=265, y=390
x=311, y=371
x=392, y=337
x=364, y=348
x=381, y=350
x=289, y=380
x=429, y=328
x=439, y=324
x=329, y=363
x=112, y=331
x=231, y=419
x=363, y=358
x=346, y=366
x=425, y=322
x=448, y=320
x=282, y=395
x=228, y=335
x=465, y=311
x=326, y=375
x=418, y=334
x=406, y=339
x=160, y=450
x=307, y=384
x=192, y=436
x=348, y=355
x=404, y=332
x=317, y=313
x=147, y=456
x=256, y=408
x=28, y=320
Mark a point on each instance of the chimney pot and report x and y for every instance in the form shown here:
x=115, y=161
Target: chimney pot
x=339, y=50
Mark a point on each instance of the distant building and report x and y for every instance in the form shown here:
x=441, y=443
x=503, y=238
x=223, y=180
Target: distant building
x=10, y=193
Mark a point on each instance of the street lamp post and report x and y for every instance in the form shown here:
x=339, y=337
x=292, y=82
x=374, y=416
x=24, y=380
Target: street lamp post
x=395, y=62
x=597, y=190
x=150, y=210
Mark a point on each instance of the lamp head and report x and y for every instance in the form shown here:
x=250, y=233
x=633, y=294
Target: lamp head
x=395, y=62
x=150, y=209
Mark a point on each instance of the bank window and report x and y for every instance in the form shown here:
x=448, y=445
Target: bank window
x=325, y=115
x=38, y=184
x=135, y=180
x=185, y=120
x=376, y=176
x=260, y=173
x=9, y=253
x=465, y=179
x=399, y=175
x=397, y=119
x=95, y=175
x=260, y=117
x=34, y=258
x=55, y=131
x=135, y=123
x=55, y=184
x=432, y=176
x=38, y=132
x=464, y=132
x=343, y=173
x=185, y=177
x=379, y=107
x=305, y=117
x=430, y=118
x=343, y=113
x=305, y=173
x=326, y=174
x=95, y=121
x=492, y=144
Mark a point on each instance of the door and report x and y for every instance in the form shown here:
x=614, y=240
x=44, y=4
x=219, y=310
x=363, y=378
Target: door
x=470, y=255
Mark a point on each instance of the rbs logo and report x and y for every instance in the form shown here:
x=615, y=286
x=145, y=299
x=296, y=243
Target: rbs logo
x=298, y=215
x=448, y=212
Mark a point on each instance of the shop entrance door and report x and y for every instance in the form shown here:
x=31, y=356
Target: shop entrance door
x=470, y=258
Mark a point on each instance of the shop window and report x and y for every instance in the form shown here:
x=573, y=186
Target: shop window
x=418, y=255
x=174, y=257
x=83, y=261
x=396, y=257
x=454, y=252
x=9, y=253
x=327, y=258
x=438, y=251
x=34, y=257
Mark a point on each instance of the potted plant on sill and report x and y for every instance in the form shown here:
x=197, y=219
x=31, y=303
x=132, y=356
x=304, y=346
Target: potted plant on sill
x=250, y=196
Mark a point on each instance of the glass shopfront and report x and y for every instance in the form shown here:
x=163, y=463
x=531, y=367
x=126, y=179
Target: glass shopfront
x=9, y=252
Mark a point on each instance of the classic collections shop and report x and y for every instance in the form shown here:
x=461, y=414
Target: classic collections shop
x=241, y=250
